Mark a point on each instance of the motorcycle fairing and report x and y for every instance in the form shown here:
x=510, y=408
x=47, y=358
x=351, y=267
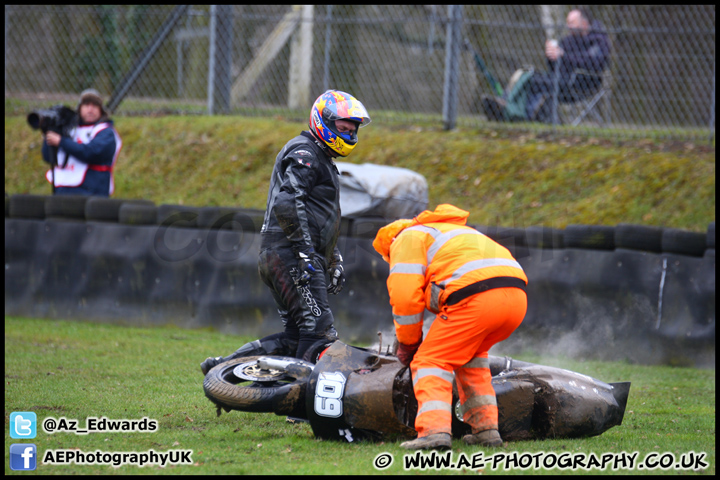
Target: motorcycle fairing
x=537, y=401
x=368, y=404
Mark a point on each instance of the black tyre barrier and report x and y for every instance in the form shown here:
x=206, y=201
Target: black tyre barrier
x=638, y=237
x=514, y=239
x=27, y=206
x=711, y=236
x=66, y=207
x=366, y=227
x=178, y=216
x=605, y=302
x=684, y=242
x=137, y=214
x=102, y=209
x=7, y=205
x=544, y=237
x=507, y=237
x=249, y=220
x=228, y=218
x=216, y=218
x=593, y=237
x=345, y=225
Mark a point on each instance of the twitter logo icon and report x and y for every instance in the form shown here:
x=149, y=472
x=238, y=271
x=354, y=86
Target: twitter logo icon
x=23, y=425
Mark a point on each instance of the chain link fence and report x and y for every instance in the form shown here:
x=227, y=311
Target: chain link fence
x=410, y=64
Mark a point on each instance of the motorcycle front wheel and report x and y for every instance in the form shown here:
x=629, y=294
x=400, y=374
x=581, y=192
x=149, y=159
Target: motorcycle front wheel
x=241, y=384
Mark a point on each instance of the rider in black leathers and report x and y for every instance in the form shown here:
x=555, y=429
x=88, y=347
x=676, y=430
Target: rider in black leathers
x=301, y=227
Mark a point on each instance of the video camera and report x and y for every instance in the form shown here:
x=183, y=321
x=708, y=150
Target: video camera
x=59, y=119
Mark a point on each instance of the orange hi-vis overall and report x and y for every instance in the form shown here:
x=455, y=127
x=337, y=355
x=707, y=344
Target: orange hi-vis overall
x=476, y=288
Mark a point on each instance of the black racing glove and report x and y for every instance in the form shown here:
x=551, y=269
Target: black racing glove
x=306, y=267
x=337, y=275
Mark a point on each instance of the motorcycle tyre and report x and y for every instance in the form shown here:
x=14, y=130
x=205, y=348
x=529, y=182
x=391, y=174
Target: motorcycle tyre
x=287, y=398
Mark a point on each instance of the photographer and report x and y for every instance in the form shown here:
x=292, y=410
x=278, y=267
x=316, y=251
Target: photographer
x=85, y=158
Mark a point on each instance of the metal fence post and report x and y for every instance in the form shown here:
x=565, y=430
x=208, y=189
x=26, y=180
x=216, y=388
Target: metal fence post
x=712, y=110
x=431, y=35
x=211, y=60
x=220, y=61
x=556, y=92
x=7, y=26
x=326, y=62
x=452, y=61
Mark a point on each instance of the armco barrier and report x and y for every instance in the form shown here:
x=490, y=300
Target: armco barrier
x=608, y=303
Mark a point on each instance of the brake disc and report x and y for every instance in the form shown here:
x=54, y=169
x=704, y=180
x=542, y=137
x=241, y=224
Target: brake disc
x=458, y=411
x=251, y=371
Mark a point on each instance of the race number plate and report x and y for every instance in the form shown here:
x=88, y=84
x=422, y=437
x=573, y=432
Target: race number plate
x=328, y=394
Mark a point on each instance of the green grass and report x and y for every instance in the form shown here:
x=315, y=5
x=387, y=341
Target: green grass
x=77, y=370
x=502, y=176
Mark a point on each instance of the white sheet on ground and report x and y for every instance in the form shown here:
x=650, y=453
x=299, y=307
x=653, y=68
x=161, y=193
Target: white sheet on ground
x=379, y=190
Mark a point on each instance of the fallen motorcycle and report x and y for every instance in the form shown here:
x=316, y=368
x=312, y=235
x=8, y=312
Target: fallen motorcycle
x=354, y=393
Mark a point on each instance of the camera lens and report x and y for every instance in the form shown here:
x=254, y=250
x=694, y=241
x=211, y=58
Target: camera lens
x=34, y=120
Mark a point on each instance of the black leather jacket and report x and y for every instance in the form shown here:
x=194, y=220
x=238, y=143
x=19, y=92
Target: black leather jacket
x=303, y=204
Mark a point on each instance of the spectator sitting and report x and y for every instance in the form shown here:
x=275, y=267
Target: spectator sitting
x=580, y=58
x=577, y=61
x=86, y=158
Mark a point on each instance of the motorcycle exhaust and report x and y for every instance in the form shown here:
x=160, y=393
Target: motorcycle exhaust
x=289, y=366
x=268, y=363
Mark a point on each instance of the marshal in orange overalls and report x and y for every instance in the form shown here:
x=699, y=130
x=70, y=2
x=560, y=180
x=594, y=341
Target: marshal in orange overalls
x=476, y=288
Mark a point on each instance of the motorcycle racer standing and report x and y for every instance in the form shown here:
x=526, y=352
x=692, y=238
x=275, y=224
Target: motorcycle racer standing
x=301, y=228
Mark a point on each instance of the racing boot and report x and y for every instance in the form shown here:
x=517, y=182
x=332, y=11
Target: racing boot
x=486, y=438
x=276, y=344
x=311, y=346
x=209, y=363
x=436, y=441
x=249, y=349
x=305, y=343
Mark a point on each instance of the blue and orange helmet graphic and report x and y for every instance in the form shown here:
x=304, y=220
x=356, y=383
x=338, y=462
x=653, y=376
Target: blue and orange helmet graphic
x=335, y=105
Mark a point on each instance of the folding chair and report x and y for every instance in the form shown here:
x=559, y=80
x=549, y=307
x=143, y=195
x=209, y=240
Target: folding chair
x=574, y=112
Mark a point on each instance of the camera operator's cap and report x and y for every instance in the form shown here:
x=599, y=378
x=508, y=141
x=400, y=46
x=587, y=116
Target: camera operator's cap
x=91, y=95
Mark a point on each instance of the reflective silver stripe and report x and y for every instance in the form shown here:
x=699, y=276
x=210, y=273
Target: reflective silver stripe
x=477, y=362
x=444, y=238
x=433, y=232
x=409, y=319
x=416, y=268
x=478, y=401
x=435, y=405
x=435, y=372
x=480, y=264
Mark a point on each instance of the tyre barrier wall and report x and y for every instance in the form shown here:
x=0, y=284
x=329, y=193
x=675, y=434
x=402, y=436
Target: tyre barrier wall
x=639, y=293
